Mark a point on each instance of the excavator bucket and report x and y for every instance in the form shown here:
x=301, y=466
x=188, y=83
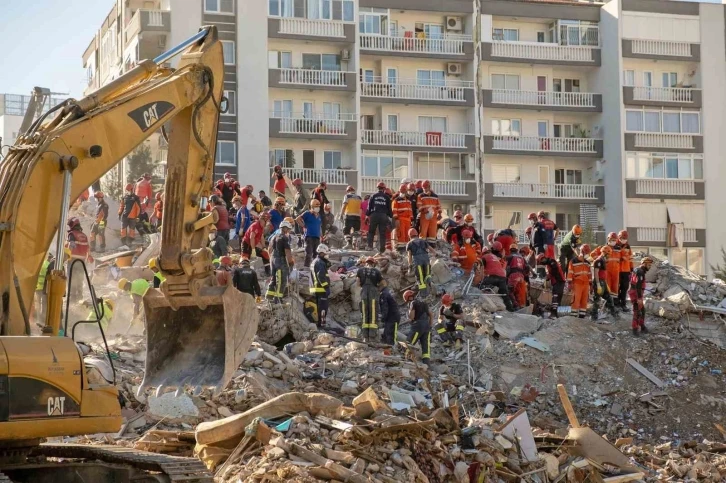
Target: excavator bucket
x=193, y=346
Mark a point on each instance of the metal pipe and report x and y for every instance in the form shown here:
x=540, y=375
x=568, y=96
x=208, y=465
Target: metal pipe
x=174, y=51
x=65, y=206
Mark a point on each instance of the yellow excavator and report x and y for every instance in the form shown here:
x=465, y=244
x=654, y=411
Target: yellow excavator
x=197, y=332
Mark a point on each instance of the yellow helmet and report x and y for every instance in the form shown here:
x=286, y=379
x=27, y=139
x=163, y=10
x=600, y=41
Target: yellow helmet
x=154, y=264
x=122, y=283
x=111, y=304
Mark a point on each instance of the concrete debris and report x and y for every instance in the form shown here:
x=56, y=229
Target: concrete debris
x=171, y=406
x=513, y=326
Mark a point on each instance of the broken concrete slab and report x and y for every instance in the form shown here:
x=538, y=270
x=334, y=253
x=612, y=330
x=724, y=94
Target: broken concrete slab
x=170, y=406
x=512, y=325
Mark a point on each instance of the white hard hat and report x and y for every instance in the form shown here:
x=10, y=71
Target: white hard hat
x=323, y=248
x=286, y=224
x=406, y=181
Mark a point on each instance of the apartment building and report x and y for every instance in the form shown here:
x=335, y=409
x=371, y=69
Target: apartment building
x=604, y=114
x=12, y=112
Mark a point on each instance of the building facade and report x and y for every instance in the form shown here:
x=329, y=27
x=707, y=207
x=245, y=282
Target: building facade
x=12, y=112
x=602, y=114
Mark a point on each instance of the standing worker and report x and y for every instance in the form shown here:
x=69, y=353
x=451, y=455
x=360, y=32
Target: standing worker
x=390, y=314
x=418, y=258
x=328, y=220
x=570, y=242
x=98, y=227
x=550, y=230
x=145, y=192
x=614, y=264
x=77, y=241
x=253, y=243
x=350, y=215
x=282, y=260
x=217, y=243
x=468, y=251
x=320, y=283
x=517, y=275
x=538, y=242
x=450, y=326
x=379, y=216
x=245, y=280
x=600, y=282
x=421, y=319
x=278, y=187
x=311, y=224
x=41, y=287
x=222, y=224
x=128, y=211
x=556, y=278
x=626, y=267
x=278, y=213
x=402, y=215
x=370, y=279
x=637, y=292
x=429, y=208
x=318, y=193
x=158, y=276
x=578, y=279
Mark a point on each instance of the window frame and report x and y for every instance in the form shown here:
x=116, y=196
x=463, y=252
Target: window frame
x=219, y=6
x=661, y=113
x=234, y=51
x=332, y=152
x=633, y=160
x=217, y=156
x=284, y=162
x=503, y=30
x=506, y=76
x=507, y=167
x=511, y=121
x=231, y=102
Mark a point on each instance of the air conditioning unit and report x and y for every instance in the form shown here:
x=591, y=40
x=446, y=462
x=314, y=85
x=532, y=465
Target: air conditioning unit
x=454, y=24
x=345, y=54
x=453, y=68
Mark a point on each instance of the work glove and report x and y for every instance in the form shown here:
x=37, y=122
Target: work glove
x=253, y=255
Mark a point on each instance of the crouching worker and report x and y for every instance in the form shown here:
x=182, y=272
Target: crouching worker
x=107, y=310
x=390, y=314
x=421, y=320
x=556, y=278
x=320, y=282
x=137, y=289
x=600, y=283
x=244, y=279
x=450, y=326
x=495, y=276
x=418, y=258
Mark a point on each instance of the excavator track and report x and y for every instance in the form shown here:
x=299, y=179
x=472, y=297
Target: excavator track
x=176, y=468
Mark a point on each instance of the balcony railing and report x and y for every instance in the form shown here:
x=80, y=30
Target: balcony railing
x=663, y=140
x=411, y=138
x=543, y=98
x=313, y=123
x=542, y=51
x=661, y=47
x=647, y=234
x=332, y=78
x=677, y=187
x=444, y=45
x=315, y=176
x=439, y=186
x=411, y=89
x=316, y=28
x=540, y=190
x=663, y=94
x=530, y=143
x=143, y=18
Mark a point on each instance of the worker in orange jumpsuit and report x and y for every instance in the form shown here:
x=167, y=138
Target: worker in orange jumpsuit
x=579, y=276
x=402, y=216
x=468, y=252
x=626, y=267
x=613, y=264
x=429, y=208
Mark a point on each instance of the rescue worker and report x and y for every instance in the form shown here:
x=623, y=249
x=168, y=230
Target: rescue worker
x=328, y=220
x=578, y=280
x=320, y=283
x=570, y=242
x=224, y=272
x=264, y=199
x=450, y=325
x=278, y=213
x=244, y=279
x=538, y=241
x=517, y=276
x=98, y=227
x=636, y=294
x=550, y=231
x=379, y=216
x=41, y=287
x=556, y=278
x=614, y=264
x=413, y=197
x=370, y=279
x=600, y=285
x=222, y=224
x=128, y=212
x=311, y=223
x=227, y=189
x=390, y=315
x=106, y=307
x=248, y=199
x=77, y=241
x=282, y=261
x=506, y=237
x=496, y=276
x=318, y=193
x=402, y=216
x=137, y=289
x=448, y=227
x=468, y=224
x=364, y=219
x=217, y=243
x=418, y=258
x=145, y=192
x=280, y=184
x=300, y=200
x=350, y=215
x=158, y=276
x=158, y=210
x=429, y=208
x=421, y=319
x=626, y=267
x=468, y=251
x=253, y=243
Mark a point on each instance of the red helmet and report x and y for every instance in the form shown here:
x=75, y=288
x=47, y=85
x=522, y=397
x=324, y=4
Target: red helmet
x=466, y=234
x=411, y=187
x=277, y=168
x=381, y=185
x=585, y=249
x=532, y=216
x=541, y=214
x=525, y=250
x=225, y=261
x=458, y=214
x=412, y=232
x=528, y=231
x=323, y=184
x=490, y=237
x=297, y=182
x=129, y=187
x=98, y=194
x=496, y=247
x=408, y=295
x=485, y=250
x=403, y=188
x=371, y=261
x=540, y=258
x=426, y=184
x=419, y=184
x=612, y=236
x=73, y=222
x=349, y=189
x=158, y=196
x=446, y=299
x=227, y=175
x=623, y=235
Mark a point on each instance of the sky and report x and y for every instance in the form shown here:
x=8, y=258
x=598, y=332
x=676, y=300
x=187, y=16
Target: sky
x=43, y=41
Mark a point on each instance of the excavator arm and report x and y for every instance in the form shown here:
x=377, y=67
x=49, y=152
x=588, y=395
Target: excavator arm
x=57, y=159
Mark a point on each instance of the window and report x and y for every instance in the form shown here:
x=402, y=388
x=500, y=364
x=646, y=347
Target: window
x=505, y=173
x=279, y=60
x=648, y=79
x=226, y=153
x=393, y=122
x=444, y=166
x=565, y=130
x=541, y=37
x=371, y=24
x=228, y=50
x=321, y=62
x=281, y=8
x=332, y=159
x=663, y=166
x=369, y=76
x=566, y=85
x=505, y=81
x=308, y=159
x=219, y=6
x=508, y=218
x=506, y=127
x=506, y=35
x=671, y=122
x=690, y=258
x=651, y=121
x=347, y=11
x=669, y=79
x=385, y=165
x=568, y=176
x=431, y=124
x=687, y=122
x=282, y=157
x=282, y=108
x=430, y=78
x=690, y=122
x=628, y=77
x=542, y=129
x=231, y=103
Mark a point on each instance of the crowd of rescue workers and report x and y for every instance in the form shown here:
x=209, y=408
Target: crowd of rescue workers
x=410, y=221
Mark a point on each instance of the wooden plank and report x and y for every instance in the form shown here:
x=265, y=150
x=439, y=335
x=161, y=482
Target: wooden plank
x=636, y=365
x=571, y=416
x=621, y=478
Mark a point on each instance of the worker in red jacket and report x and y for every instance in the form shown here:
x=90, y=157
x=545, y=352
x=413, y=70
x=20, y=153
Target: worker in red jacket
x=556, y=278
x=636, y=294
x=496, y=276
x=145, y=192
x=517, y=275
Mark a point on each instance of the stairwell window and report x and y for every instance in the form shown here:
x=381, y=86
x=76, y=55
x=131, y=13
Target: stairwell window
x=228, y=51
x=226, y=153
x=231, y=103
x=219, y=6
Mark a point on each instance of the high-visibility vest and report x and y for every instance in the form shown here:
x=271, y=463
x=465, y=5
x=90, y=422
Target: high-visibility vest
x=41, y=276
x=140, y=286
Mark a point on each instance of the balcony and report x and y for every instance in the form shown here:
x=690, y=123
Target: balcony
x=328, y=80
x=311, y=29
x=437, y=142
x=449, y=6
x=311, y=176
x=446, y=188
x=543, y=146
x=540, y=53
x=313, y=126
x=661, y=50
x=525, y=192
x=543, y=100
x=451, y=47
x=147, y=21
x=662, y=96
x=650, y=236
x=409, y=91
x=665, y=189
x=674, y=143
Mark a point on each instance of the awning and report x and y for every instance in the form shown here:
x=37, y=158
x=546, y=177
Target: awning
x=676, y=226
x=675, y=214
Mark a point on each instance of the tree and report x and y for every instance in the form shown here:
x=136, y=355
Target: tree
x=719, y=271
x=139, y=162
x=111, y=183
x=588, y=236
